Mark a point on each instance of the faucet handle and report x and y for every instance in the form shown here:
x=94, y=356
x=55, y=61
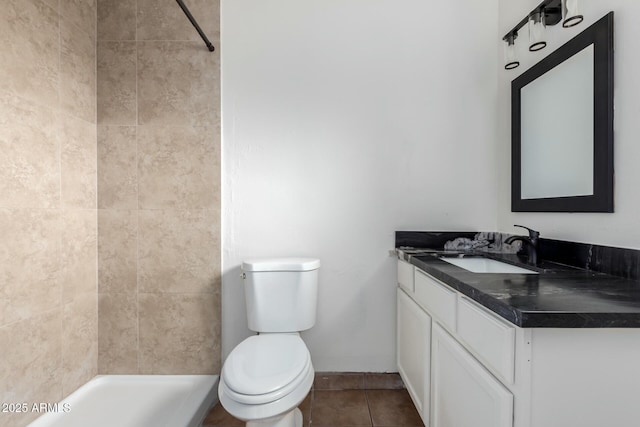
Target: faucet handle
x=532, y=233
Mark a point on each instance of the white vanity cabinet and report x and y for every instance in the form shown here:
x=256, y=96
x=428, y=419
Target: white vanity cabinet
x=465, y=366
x=448, y=386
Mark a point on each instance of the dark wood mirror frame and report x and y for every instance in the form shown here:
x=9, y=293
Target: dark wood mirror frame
x=600, y=35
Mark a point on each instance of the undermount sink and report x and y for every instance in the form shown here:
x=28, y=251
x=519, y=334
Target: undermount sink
x=486, y=265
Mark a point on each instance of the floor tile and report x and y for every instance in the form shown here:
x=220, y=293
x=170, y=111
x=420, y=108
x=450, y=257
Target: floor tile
x=338, y=381
x=343, y=408
x=340, y=408
x=392, y=408
x=386, y=381
x=305, y=408
x=219, y=417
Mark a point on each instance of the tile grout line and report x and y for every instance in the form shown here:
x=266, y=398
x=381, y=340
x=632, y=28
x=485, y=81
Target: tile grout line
x=366, y=397
x=58, y=119
x=138, y=350
x=313, y=396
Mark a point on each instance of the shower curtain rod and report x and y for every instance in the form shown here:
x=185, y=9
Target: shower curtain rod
x=195, y=24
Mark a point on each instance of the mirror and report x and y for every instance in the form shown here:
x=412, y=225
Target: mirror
x=562, y=127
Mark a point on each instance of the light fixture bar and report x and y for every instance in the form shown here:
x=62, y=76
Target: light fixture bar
x=552, y=10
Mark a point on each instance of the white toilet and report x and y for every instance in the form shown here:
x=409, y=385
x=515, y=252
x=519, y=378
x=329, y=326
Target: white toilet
x=266, y=376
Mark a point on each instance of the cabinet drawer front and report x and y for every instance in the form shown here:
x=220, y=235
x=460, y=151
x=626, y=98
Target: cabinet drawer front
x=437, y=299
x=490, y=338
x=405, y=276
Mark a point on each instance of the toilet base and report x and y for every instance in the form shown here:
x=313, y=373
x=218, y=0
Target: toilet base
x=291, y=419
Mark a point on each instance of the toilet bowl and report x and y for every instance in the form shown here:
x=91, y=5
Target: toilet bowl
x=265, y=378
x=268, y=375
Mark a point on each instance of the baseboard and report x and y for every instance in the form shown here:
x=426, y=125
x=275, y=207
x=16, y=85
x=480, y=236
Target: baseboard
x=357, y=381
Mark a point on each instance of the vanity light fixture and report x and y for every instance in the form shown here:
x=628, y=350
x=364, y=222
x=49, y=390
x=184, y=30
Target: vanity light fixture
x=548, y=13
x=571, y=15
x=510, y=54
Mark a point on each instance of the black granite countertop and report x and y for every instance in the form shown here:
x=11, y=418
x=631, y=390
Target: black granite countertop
x=559, y=296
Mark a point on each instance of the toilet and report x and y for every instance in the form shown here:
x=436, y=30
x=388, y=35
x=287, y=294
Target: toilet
x=267, y=375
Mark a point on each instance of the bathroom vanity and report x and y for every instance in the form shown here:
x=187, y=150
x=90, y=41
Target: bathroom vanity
x=558, y=346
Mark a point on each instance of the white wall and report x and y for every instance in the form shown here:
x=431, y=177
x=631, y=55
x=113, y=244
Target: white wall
x=621, y=228
x=343, y=121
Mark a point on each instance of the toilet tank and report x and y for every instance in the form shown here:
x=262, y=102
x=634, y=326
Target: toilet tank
x=281, y=293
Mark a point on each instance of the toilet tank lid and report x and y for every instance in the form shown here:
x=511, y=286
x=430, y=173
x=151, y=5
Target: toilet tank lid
x=281, y=264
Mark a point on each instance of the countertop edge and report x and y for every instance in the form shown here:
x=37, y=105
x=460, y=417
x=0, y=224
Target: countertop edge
x=528, y=319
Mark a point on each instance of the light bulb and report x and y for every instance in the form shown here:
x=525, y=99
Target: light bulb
x=510, y=54
x=537, y=31
x=571, y=13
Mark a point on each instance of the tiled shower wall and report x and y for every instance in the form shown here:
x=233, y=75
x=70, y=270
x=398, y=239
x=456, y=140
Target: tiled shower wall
x=48, y=298
x=158, y=188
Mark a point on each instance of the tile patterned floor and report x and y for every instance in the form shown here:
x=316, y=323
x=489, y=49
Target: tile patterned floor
x=343, y=408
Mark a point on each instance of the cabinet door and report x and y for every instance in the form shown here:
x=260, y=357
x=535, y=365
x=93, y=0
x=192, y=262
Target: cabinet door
x=463, y=393
x=413, y=346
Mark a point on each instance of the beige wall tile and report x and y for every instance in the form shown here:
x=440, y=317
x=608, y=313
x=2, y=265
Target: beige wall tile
x=79, y=341
x=47, y=163
x=78, y=163
x=117, y=83
x=81, y=13
x=158, y=188
x=79, y=253
x=177, y=84
x=30, y=259
x=166, y=21
x=117, y=251
x=178, y=167
x=117, y=167
x=53, y=3
x=29, y=56
x=77, y=72
x=30, y=364
x=117, y=19
x=179, y=334
x=29, y=154
x=178, y=251
x=118, y=334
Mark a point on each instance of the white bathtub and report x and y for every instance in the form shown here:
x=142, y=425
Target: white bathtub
x=136, y=401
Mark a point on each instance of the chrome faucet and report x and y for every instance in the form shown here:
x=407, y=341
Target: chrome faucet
x=529, y=244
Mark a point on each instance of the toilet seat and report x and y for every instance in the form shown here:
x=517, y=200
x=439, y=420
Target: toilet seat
x=265, y=368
